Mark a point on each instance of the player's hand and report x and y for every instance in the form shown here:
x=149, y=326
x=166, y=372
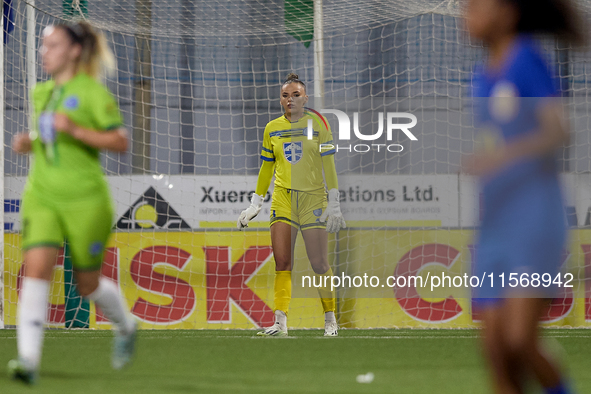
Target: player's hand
x=484, y=163
x=256, y=203
x=332, y=214
x=21, y=143
x=62, y=123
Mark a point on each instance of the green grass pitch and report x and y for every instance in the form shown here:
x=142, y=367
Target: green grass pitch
x=168, y=361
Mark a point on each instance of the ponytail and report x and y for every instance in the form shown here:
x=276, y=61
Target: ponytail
x=96, y=58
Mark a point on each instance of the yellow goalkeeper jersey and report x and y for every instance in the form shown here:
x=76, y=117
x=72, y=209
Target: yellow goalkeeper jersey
x=298, y=160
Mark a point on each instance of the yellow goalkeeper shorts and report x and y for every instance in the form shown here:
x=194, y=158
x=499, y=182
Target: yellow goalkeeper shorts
x=298, y=209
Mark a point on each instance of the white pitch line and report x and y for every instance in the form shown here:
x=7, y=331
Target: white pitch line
x=166, y=337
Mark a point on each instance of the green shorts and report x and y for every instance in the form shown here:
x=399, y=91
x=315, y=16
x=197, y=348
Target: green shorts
x=86, y=225
x=298, y=209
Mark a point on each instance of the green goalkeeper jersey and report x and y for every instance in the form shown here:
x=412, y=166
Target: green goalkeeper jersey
x=63, y=168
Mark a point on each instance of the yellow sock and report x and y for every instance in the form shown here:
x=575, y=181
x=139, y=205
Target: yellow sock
x=282, y=290
x=327, y=297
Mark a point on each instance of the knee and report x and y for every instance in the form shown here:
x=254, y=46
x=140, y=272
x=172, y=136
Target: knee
x=86, y=288
x=320, y=266
x=493, y=346
x=519, y=347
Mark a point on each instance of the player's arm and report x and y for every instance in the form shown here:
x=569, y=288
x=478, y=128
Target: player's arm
x=104, y=113
x=330, y=172
x=256, y=201
x=553, y=131
x=553, y=134
x=263, y=182
x=332, y=214
x=265, y=176
x=21, y=143
x=115, y=140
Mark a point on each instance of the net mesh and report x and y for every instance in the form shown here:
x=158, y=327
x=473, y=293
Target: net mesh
x=197, y=81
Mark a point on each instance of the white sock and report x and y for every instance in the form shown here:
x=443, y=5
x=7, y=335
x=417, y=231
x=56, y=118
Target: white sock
x=281, y=318
x=107, y=297
x=32, y=312
x=329, y=317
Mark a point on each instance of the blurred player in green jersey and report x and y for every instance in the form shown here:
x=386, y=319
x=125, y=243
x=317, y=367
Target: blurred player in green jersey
x=66, y=195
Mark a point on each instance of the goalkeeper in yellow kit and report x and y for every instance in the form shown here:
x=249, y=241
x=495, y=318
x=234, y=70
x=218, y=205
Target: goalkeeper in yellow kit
x=299, y=198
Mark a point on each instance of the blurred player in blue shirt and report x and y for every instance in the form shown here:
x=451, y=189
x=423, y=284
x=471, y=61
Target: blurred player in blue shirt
x=523, y=227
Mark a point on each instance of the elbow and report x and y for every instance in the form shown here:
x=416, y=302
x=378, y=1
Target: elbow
x=121, y=144
x=565, y=137
x=561, y=139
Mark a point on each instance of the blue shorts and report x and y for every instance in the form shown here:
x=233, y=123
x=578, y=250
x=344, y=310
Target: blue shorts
x=523, y=239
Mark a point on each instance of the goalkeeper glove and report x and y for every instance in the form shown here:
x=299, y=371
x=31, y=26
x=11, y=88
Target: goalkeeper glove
x=332, y=214
x=256, y=203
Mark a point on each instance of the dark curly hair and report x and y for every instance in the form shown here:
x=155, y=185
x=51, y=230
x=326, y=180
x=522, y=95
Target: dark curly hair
x=556, y=17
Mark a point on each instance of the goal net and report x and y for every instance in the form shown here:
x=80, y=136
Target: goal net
x=197, y=81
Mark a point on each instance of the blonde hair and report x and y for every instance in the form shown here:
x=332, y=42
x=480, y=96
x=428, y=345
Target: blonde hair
x=96, y=58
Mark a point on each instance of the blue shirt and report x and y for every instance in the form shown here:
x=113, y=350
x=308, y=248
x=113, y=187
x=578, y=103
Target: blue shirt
x=507, y=105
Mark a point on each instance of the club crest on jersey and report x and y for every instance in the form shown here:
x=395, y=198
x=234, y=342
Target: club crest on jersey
x=504, y=102
x=96, y=248
x=71, y=102
x=293, y=151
